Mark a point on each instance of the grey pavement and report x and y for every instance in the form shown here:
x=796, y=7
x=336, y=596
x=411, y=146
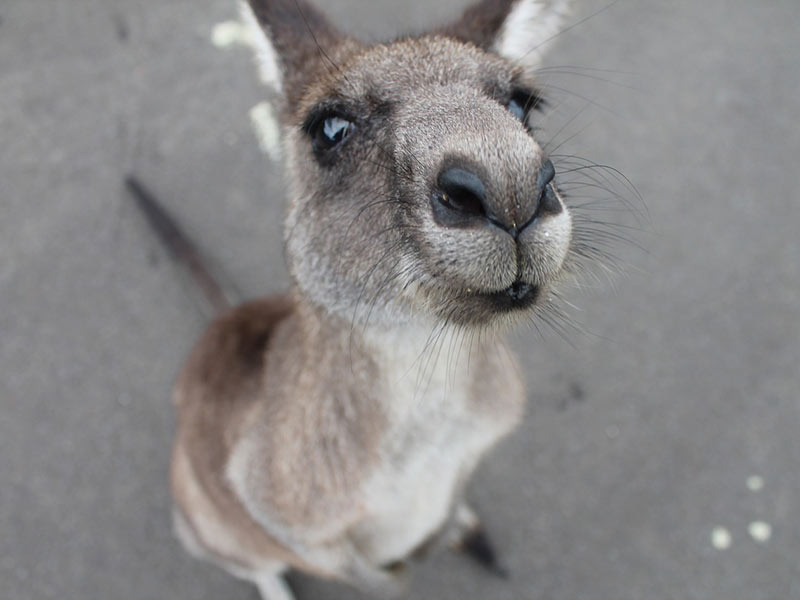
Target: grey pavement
x=673, y=414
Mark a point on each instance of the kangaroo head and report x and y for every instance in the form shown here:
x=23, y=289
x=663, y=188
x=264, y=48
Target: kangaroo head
x=416, y=181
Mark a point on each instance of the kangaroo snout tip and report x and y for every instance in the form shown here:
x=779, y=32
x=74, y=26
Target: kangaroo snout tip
x=462, y=198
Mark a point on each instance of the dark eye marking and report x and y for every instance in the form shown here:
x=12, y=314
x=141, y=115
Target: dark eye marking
x=517, y=109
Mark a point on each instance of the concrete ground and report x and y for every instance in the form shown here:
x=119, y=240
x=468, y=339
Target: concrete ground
x=660, y=456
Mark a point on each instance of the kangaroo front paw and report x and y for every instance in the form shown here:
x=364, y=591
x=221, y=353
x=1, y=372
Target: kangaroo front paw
x=390, y=581
x=272, y=586
x=470, y=538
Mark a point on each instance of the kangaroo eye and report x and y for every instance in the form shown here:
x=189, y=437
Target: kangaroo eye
x=522, y=102
x=331, y=131
x=517, y=109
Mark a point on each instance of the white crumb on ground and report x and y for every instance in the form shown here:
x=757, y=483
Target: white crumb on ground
x=268, y=133
x=721, y=538
x=760, y=531
x=755, y=483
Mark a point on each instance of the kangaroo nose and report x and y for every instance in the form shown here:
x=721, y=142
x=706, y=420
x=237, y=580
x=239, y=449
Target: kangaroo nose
x=461, y=200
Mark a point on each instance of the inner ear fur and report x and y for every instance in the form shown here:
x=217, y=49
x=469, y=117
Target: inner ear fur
x=514, y=29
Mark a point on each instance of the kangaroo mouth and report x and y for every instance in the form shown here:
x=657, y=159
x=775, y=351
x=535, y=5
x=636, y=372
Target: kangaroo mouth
x=518, y=296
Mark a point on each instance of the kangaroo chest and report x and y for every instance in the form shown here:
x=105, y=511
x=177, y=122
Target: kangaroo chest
x=436, y=435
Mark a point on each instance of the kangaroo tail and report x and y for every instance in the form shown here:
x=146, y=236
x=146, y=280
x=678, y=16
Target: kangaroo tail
x=182, y=250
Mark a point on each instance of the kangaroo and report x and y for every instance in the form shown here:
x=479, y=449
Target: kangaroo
x=327, y=430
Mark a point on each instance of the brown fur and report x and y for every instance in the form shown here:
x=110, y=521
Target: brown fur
x=227, y=393
x=217, y=398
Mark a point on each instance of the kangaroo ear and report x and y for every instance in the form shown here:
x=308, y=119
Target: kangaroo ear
x=290, y=39
x=514, y=29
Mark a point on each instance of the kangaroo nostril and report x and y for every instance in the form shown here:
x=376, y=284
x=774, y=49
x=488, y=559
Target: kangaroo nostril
x=461, y=199
x=546, y=174
x=462, y=192
x=547, y=203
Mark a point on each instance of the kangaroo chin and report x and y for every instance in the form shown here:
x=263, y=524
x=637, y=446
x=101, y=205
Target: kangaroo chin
x=332, y=430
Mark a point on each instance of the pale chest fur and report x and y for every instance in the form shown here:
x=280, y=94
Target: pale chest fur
x=439, y=426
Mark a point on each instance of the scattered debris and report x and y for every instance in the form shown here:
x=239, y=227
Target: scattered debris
x=755, y=483
x=760, y=531
x=721, y=538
